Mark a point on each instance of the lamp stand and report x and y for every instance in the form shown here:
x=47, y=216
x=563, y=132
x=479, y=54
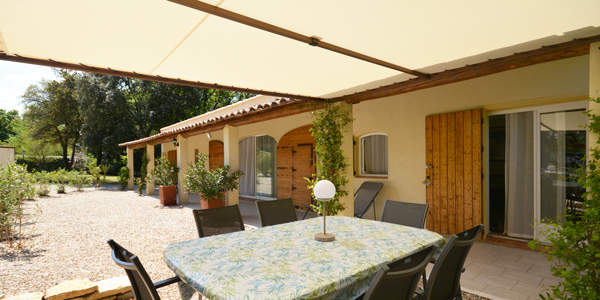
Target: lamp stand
x=324, y=237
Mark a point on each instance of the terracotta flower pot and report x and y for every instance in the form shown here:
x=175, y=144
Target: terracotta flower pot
x=167, y=194
x=204, y=204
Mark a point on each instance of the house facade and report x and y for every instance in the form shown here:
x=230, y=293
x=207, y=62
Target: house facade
x=497, y=148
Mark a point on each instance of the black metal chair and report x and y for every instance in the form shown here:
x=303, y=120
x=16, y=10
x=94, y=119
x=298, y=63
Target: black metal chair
x=405, y=213
x=364, y=197
x=444, y=280
x=276, y=212
x=143, y=288
x=399, y=279
x=219, y=220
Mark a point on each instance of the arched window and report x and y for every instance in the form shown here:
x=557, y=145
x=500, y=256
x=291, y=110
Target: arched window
x=258, y=160
x=374, y=155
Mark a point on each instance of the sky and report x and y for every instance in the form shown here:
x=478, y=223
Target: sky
x=14, y=80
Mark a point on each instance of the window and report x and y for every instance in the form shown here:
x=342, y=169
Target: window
x=374, y=155
x=258, y=158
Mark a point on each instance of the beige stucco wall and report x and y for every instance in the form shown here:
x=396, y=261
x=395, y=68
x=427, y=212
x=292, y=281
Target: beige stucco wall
x=402, y=117
x=7, y=155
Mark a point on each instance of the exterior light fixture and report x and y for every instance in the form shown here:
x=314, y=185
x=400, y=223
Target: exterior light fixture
x=175, y=143
x=209, y=135
x=324, y=191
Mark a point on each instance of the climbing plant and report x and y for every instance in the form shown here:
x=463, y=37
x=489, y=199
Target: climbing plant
x=574, y=252
x=328, y=127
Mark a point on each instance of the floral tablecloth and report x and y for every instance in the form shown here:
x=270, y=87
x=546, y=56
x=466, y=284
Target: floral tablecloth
x=285, y=262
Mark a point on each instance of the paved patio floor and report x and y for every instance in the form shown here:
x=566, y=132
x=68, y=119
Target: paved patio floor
x=492, y=271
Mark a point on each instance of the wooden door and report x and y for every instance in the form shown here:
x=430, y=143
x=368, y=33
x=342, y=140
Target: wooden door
x=454, y=175
x=295, y=160
x=216, y=155
x=172, y=156
x=302, y=168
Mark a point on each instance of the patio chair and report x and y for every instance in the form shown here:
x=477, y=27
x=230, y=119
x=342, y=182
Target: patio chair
x=276, y=212
x=143, y=288
x=364, y=197
x=444, y=279
x=405, y=213
x=218, y=220
x=398, y=280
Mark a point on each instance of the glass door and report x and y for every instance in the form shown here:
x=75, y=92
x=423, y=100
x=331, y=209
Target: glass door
x=563, y=146
x=532, y=159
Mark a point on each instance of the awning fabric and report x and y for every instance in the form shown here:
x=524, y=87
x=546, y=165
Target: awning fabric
x=158, y=37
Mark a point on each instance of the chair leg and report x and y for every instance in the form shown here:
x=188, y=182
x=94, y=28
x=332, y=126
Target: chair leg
x=374, y=213
x=306, y=213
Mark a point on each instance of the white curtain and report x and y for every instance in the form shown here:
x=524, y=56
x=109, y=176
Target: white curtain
x=375, y=154
x=248, y=166
x=519, y=175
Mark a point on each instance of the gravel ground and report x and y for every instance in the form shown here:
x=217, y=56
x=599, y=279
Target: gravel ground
x=69, y=239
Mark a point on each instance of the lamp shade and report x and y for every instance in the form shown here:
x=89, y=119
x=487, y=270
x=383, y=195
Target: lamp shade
x=324, y=190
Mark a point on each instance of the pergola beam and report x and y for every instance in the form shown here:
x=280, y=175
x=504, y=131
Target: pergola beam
x=109, y=71
x=232, y=16
x=565, y=50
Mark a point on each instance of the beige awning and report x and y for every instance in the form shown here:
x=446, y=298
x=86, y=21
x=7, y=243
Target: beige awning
x=166, y=40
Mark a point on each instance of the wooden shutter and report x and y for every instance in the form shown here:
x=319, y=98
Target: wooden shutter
x=454, y=195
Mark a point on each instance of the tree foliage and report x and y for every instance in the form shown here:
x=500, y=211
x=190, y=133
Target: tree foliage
x=95, y=113
x=575, y=243
x=8, y=120
x=53, y=112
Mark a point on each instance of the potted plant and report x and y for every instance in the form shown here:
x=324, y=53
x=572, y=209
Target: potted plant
x=164, y=175
x=210, y=185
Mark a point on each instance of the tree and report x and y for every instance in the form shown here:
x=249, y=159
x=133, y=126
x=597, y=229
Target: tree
x=7, y=124
x=106, y=116
x=53, y=111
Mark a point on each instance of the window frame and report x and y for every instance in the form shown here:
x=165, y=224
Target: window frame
x=361, y=157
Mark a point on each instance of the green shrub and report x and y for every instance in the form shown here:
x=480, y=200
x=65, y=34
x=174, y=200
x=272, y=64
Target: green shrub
x=164, y=172
x=124, y=178
x=95, y=171
x=575, y=243
x=210, y=185
x=16, y=185
x=80, y=179
x=42, y=180
x=61, y=178
x=34, y=163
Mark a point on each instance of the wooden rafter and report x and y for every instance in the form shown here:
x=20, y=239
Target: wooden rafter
x=232, y=16
x=518, y=60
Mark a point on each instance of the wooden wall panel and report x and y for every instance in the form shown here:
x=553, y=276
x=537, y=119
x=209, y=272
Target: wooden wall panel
x=444, y=173
x=436, y=175
x=451, y=173
x=477, y=177
x=453, y=148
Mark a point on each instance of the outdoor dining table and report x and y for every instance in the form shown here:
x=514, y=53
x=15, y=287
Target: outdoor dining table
x=286, y=262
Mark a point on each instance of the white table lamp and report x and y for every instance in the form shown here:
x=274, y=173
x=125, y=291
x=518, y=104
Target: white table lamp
x=324, y=190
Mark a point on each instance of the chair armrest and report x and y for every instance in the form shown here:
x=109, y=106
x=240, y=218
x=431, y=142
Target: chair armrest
x=166, y=282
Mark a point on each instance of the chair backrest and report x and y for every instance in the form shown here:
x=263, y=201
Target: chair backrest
x=399, y=279
x=219, y=220
x=405, y=213
x=444, y=279
x=364, y=197
x=143, y=288
x=276, y=212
